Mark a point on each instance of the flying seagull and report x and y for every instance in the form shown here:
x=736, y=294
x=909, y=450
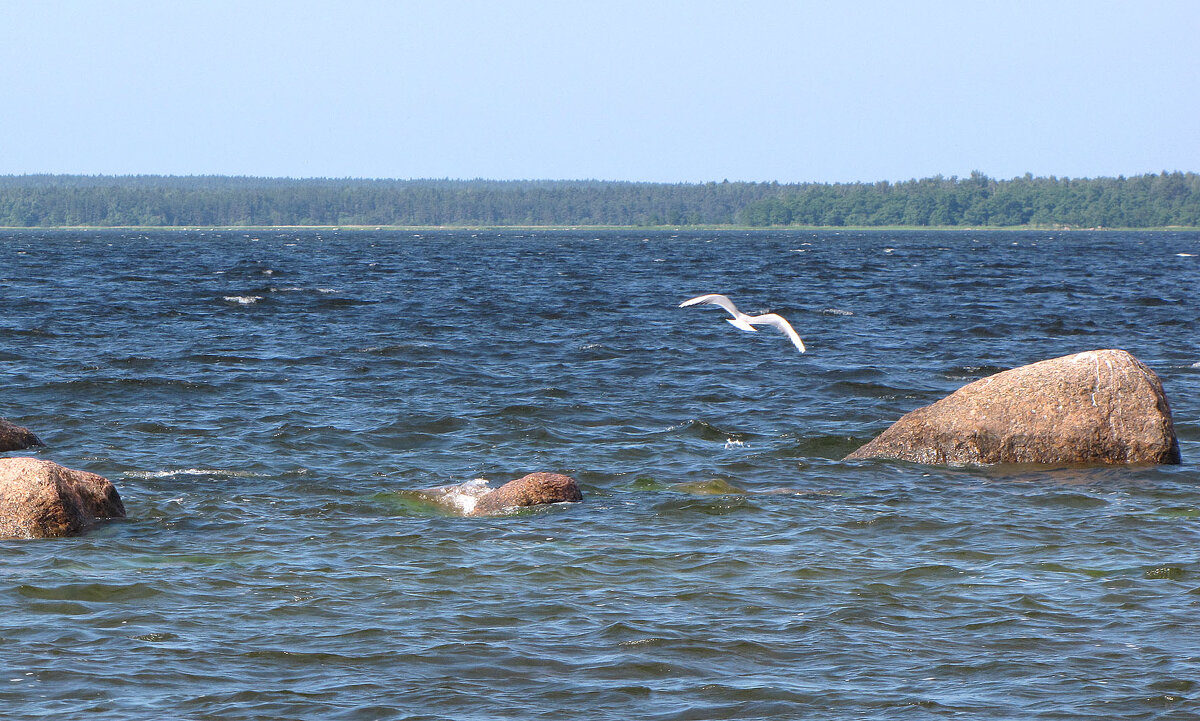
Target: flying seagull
x=747, y=322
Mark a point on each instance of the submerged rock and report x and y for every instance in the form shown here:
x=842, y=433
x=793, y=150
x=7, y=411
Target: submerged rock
x=16, y=438
x=41, y=499
x=1097, y=407
x=711, y=487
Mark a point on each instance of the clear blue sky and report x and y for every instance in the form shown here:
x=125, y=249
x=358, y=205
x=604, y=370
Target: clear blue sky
x=832, y=91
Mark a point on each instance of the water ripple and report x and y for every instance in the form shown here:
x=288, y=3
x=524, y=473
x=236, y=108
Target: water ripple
x=279, y=561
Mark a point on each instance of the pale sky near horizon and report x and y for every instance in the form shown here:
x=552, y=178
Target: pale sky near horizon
x=755, y=90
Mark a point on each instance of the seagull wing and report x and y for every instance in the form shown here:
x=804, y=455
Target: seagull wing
x=779, y=323
x=714, y=299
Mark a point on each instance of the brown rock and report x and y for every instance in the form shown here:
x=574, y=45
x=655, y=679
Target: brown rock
x=1098, y=407
x=530, y=490
x=41, y=499
x=16, y=438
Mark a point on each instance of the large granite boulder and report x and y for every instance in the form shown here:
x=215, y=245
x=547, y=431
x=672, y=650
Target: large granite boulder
x=531, y=490
x=16, y=438
x=41, y=499
x=1098, y=407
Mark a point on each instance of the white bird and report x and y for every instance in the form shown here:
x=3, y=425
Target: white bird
x=747, y=322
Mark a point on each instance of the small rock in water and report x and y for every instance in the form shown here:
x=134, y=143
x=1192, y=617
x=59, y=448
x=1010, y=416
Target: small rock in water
x=41, y=499
x=16, y=438
x=531, y=490
x=1097, y=407
x=477, y=498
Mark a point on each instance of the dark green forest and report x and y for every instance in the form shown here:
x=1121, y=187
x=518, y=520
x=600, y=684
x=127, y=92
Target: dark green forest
x=1144, y=201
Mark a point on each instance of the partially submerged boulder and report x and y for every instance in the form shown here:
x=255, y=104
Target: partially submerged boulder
x=41, y=499
x=531, y=490
x=16, y=438
x=1097, y=407
x=477, y=498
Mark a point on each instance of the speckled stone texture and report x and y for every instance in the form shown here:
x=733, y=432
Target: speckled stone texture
x=16, y=438
x=531, y=490
x=41, y=499
x=1096, y=407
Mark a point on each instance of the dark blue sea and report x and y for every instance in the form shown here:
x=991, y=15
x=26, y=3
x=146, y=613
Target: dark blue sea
x=267, y=403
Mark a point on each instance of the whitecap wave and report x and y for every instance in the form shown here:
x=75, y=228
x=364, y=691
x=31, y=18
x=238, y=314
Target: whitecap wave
x=173, y=473
x=243, y=299
x=459, y=498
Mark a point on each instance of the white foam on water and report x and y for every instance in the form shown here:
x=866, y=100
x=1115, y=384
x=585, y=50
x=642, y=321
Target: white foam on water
x=461, y=497
x=1186, y=255
x=243, y=299
x=172, y=473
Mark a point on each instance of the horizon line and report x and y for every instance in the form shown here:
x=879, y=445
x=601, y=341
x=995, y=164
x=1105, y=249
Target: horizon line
x=481, y=179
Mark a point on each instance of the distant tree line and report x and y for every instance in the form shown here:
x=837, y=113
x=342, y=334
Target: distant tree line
x=234, y=201
x=1143, y=201
x=69, y=200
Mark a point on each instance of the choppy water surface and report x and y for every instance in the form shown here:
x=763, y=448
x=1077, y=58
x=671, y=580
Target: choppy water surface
x=264, y=401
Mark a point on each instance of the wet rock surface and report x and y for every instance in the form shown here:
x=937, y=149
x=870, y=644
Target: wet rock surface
x=41, y=499
x=530, y=490
x=16, y=438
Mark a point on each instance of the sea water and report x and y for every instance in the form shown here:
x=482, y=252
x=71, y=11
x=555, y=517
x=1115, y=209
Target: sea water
x=269, y=405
